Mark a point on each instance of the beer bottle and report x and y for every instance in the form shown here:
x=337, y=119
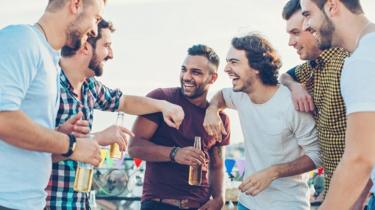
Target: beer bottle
x=84, y=174
x=114, y=151
x=195, y=172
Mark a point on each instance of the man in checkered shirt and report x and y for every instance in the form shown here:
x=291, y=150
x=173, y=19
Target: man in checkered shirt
x=81, y=93
x=315, y=87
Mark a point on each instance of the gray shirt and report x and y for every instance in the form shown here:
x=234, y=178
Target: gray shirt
x=275, y=133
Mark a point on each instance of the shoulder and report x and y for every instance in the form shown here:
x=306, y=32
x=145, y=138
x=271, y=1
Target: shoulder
x=19, y=40
x=164, y=93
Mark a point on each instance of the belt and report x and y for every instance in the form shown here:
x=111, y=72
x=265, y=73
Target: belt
x=182, y=204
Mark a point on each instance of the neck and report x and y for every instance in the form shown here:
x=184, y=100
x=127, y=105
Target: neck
x=74, y=71
x=200, y=101
x=351, y=32
x=55, y=33
x=261, y=93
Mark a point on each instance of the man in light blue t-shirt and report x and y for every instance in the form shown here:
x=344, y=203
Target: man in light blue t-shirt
x=29, y=98
x=342, y=23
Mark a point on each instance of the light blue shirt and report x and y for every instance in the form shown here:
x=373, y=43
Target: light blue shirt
x=29, y=82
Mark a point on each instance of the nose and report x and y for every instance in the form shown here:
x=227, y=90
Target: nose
x=227, y=68
x=306, y=24
x=110, y=53
x=186, y=76
x=94, y=31
x=292, y=41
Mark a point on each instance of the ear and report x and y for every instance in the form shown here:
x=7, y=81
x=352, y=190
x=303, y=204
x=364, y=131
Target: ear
x=332, y=7
x=214, y=77
x=75, y=6
x=86, y=49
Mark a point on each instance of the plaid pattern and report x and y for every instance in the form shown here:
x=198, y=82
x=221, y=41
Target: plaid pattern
x=94, y=96
x=322, y=80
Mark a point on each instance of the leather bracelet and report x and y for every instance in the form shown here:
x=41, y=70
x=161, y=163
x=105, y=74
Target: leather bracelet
x=72, y=142
x=173, y=153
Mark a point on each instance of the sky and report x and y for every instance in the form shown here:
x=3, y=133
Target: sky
x=152, y=37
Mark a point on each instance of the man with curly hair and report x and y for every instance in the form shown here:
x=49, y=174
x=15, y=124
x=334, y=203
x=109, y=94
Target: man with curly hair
x=280, y=142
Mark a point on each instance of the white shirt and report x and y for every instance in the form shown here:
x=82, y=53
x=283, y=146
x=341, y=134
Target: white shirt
x=275, y=133
x=358, y=80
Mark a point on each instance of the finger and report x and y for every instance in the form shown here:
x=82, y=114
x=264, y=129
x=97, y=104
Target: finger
x=223, y=131
x=170, y=123
x=311, y=104
x=75, y=118
x=81, y=122
x=295, y=103
x=127, y=131
x=300, y=106
x=81, y=129
x=251, y=191
x=177, y=120
x=122, y=141
x=306, y=105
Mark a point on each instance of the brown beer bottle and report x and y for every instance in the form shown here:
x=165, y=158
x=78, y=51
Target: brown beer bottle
x=195, y=172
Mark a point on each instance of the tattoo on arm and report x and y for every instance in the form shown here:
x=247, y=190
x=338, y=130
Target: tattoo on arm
x=216, y=155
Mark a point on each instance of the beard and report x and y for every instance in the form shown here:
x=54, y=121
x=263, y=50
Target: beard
x=197, y=92
x=74, y=37
x=95, y=65
x=326, y=33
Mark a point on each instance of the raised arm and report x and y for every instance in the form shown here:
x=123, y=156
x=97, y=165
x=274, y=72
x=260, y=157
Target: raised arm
x=139, y=105
x=212, y=121
x=302, y=100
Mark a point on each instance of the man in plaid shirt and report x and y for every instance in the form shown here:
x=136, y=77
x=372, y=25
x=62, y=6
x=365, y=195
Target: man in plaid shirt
x=81, y=93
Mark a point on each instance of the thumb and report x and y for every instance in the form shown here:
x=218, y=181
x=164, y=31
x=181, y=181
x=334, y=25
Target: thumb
x=223, y=131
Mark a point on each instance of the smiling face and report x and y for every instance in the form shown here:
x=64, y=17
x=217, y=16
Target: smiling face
x=102, y=52
x=301, y=40
x=317, y=22
x=196, y=76
x=84, y=25
x=239, y=71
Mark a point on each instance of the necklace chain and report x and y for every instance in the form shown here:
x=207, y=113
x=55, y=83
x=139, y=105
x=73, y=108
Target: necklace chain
x=42, y=29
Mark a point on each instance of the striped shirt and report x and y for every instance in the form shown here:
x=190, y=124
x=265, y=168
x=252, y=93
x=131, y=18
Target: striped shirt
x=94, y=96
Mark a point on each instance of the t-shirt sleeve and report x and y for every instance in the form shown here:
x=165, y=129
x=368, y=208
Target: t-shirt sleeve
x=158, y=116
x=292, y=73
x=358, y=85
x=228, y=96
x=302, y=73
x=19, y=60
x=304, y=129
x=106, y=99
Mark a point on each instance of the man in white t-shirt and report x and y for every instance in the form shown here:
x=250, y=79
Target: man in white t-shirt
x=342, y=23
x=280, y=142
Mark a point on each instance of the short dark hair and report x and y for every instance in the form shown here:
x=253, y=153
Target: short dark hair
x=205, y=51
x=261, y=56
x=290, y=8
x=352, y=5
x=103, y=24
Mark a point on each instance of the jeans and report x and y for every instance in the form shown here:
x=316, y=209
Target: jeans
x=154, y=205
x=241, y=207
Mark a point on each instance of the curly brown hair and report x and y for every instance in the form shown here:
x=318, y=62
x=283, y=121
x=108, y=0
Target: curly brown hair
x=261, y=56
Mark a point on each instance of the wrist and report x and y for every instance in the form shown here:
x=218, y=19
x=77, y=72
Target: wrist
x=274, y=172
x=173, y=153
x=71, y=146
x=212, y=109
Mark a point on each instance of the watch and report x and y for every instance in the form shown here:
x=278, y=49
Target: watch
x=173, y=153
x=72, y=145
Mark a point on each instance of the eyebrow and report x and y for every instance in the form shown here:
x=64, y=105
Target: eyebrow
x=232, y=59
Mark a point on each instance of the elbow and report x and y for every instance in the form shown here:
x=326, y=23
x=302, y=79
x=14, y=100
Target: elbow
x=365, y=161
x=133, y=149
